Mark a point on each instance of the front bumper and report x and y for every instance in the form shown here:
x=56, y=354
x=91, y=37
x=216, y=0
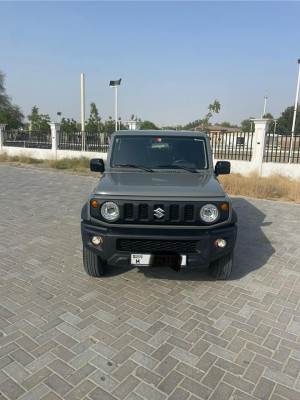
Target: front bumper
x=205, y=250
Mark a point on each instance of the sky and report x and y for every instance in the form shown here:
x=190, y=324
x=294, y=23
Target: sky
x=174, y=57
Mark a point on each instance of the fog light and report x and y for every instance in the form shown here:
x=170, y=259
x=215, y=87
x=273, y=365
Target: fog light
x=220, y=243
x=97, y=240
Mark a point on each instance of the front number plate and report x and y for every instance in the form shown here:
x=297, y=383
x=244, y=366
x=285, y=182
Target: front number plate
x=158, y=260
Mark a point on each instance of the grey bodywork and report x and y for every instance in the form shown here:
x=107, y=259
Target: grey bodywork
x=171, y=183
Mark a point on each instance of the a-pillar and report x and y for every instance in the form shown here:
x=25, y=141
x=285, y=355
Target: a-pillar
x=259, y=142
x=55, y=131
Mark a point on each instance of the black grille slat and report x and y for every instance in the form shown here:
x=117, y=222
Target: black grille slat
x=150, y=246
x=143, y=211
x=128, y=211
x=174, y=212
x=189, y=212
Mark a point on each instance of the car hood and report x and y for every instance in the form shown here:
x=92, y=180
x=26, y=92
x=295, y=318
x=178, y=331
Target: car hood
x=154, y=184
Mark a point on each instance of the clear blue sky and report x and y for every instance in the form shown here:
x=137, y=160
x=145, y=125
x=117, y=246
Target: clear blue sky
x=174, y=58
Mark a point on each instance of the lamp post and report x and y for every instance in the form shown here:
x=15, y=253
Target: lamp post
x=295, y=113
x=265, y=104
x=116, y=84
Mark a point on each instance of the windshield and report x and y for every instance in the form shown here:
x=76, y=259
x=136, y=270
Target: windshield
x=152, y=152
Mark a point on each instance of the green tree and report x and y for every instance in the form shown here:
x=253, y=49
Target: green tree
x=94, y=122
x=148, y=125
x=215, y=107
x=285, y=121
x=173, y=128
x=68, y=125
x=247, y=125
x=272, y=124
x=38, y=122
x=134, y=118
x=226, y=124
x=10, y=114
x=12, y=117
x=109, y=125
x=5, y=101
x=122, y=126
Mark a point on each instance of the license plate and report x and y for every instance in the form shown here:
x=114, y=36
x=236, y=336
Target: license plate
x=158, y=260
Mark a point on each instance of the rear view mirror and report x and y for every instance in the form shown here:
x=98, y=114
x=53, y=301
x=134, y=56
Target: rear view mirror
x=222, y=168
x=97, y=165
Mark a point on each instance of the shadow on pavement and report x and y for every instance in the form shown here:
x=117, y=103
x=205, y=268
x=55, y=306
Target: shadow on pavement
x=252, y=250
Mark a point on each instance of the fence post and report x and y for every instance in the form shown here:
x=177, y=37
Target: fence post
x=2, y=127
x=55, y=131
x=259, y=142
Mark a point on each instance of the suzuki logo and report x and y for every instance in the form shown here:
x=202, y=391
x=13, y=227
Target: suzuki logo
x=159, y=212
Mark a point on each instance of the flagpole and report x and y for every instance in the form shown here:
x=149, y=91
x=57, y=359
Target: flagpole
x=115, y=85
x=116, y=108
x=295, y=113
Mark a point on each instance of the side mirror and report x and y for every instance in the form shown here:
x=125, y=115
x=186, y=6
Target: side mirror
x=97, y=165
x=222, y=168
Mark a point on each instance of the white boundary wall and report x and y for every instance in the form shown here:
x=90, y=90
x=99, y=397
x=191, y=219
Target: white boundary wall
x=242, y=167
x=48, y=154
x=247, y=167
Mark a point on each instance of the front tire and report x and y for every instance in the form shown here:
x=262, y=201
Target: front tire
x=93, y=264
x=221, y=268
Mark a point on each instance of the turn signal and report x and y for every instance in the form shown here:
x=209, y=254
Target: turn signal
x=224, y=207
x=94, y=204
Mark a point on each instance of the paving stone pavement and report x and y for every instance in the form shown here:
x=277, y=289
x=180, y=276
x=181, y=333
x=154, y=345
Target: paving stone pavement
x=141, y=334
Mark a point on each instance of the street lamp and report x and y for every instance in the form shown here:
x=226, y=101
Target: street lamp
x=116, y=84
x=295, y=113
x=265, y=104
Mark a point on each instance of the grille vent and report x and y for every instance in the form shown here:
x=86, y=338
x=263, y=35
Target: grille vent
x=128, y=211
x=189, y=212
x=150, y=246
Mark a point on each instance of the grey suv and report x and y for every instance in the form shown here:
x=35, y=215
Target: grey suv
x=159, y=203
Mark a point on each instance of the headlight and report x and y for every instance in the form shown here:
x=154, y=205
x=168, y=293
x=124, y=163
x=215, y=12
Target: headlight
x=209, y=213
x=110, y=211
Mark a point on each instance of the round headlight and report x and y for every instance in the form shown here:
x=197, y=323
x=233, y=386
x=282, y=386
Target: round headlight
x=209, y=213
x=110, y=211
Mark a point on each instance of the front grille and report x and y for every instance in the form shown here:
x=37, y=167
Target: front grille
x=128, y=211
x=189, y=212
x=174, y=212
x=150, y=246
x=143, y=211
x=158, y=213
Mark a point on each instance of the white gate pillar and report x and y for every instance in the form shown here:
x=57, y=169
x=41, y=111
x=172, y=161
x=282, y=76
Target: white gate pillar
x=55, y=131
x=259, y=142
x=2, y=127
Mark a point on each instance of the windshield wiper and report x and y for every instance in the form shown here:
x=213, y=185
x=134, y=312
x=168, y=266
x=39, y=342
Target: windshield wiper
x=134, y=166
x=177, y=167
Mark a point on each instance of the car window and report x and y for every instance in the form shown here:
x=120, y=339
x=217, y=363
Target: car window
x=156, y=151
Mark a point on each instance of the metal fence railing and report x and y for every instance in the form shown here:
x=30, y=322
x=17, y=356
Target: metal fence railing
x=278, y=148
x=232, y=145
x=84, y=141
x=28, y=139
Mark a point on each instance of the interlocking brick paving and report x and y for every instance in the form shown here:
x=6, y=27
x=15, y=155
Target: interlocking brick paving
x=141, y=333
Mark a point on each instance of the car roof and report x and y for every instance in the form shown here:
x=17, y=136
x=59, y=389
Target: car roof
x=154, y=132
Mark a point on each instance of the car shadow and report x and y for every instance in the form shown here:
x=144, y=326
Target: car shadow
x=253, y=249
